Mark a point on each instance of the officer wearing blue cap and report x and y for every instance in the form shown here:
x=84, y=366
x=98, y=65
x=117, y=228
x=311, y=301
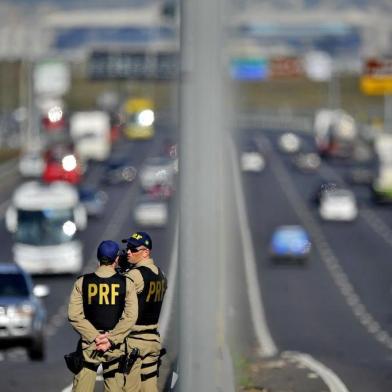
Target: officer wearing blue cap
x=103, y=307
x=151, y=284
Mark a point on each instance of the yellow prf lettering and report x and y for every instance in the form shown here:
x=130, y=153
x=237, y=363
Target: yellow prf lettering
x=163, y=283
x=92, y=291
x=103, y=293
x=158, y=291
x=151, y=290
x=136, y=236
x=114, y=292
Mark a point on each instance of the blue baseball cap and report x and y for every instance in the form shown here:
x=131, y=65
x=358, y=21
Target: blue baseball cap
x=140, y=238
x=108, y=249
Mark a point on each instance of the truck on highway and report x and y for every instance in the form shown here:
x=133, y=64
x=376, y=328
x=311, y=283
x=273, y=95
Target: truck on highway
x=45, y=220
x=90, y=132
x=139, y=118
x=336, y=133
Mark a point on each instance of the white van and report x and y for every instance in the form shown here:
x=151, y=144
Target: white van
x=90, y=132
x=45, y=220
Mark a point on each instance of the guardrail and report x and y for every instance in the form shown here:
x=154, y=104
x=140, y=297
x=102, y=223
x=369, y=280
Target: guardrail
x=275, y=121
x=271, y=121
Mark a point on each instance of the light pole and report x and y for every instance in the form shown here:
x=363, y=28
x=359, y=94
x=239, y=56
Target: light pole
x=201, y=241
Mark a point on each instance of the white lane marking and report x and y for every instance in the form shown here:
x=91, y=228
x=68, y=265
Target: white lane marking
x=332, y=263
x=328, y=376
x=167, y=307
x=377, y=225
x=173, y=380
x=267, y=346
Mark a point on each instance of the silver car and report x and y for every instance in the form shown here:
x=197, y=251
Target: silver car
x=157, y=171
x=338, y=205
x=22, y=314
x=151, y=212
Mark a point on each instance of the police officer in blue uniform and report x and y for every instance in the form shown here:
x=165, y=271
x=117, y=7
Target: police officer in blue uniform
x=103, y=308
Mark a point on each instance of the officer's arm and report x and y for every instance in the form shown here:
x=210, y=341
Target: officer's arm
x=137, y=278
x=128, y=317
x=76, y=314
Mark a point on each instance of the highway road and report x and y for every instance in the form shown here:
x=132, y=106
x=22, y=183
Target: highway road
x=18, y=372
x=337, y=308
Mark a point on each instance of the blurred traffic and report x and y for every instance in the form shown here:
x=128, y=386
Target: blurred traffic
x=69, y=168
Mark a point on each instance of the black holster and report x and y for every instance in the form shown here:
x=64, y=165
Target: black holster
x=74, y=360
x=127, y=360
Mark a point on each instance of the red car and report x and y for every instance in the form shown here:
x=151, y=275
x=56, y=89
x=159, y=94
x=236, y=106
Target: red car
x=57, y=171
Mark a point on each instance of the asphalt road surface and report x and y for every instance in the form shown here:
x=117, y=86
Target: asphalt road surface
x=336, y=308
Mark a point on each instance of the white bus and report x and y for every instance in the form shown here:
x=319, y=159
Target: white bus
x=45, y=220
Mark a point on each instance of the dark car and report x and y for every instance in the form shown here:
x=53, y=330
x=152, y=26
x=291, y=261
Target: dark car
x=118, y=170
x=94, y=200
x=22, y=314
x=307, y=162
x=361, y=176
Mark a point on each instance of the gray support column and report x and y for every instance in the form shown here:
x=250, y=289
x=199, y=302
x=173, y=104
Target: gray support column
x=201, y=244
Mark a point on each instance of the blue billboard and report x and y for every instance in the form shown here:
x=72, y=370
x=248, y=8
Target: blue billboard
x=249, y=69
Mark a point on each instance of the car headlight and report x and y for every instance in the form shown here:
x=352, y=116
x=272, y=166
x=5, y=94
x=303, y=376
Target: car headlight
x=146, y=118
x=23, y=310
x=69, y=163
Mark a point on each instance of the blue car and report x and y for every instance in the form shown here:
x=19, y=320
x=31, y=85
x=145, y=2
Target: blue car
x=290, y=242
x=118, y=170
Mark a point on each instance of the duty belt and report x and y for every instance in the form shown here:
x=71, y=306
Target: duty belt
x=151, y=331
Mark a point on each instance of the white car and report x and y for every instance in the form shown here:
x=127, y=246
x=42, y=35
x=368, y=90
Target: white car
x=289, y=143
x=150, y=212
x=338, y=205
x=252, y=161
x=157, y=171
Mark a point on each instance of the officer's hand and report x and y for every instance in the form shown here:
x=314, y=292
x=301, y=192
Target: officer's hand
x=102, y=338
x=104, y=346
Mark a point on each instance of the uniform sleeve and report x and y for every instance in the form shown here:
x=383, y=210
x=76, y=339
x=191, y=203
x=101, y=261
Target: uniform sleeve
x=137, y=278
x=76, y=314
x=129, y=316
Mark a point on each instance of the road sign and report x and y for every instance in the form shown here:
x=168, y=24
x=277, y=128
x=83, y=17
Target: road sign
x=377, y=77
x=122, y=64
x=51, y=78
x=285, y=67
x=249, y=68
